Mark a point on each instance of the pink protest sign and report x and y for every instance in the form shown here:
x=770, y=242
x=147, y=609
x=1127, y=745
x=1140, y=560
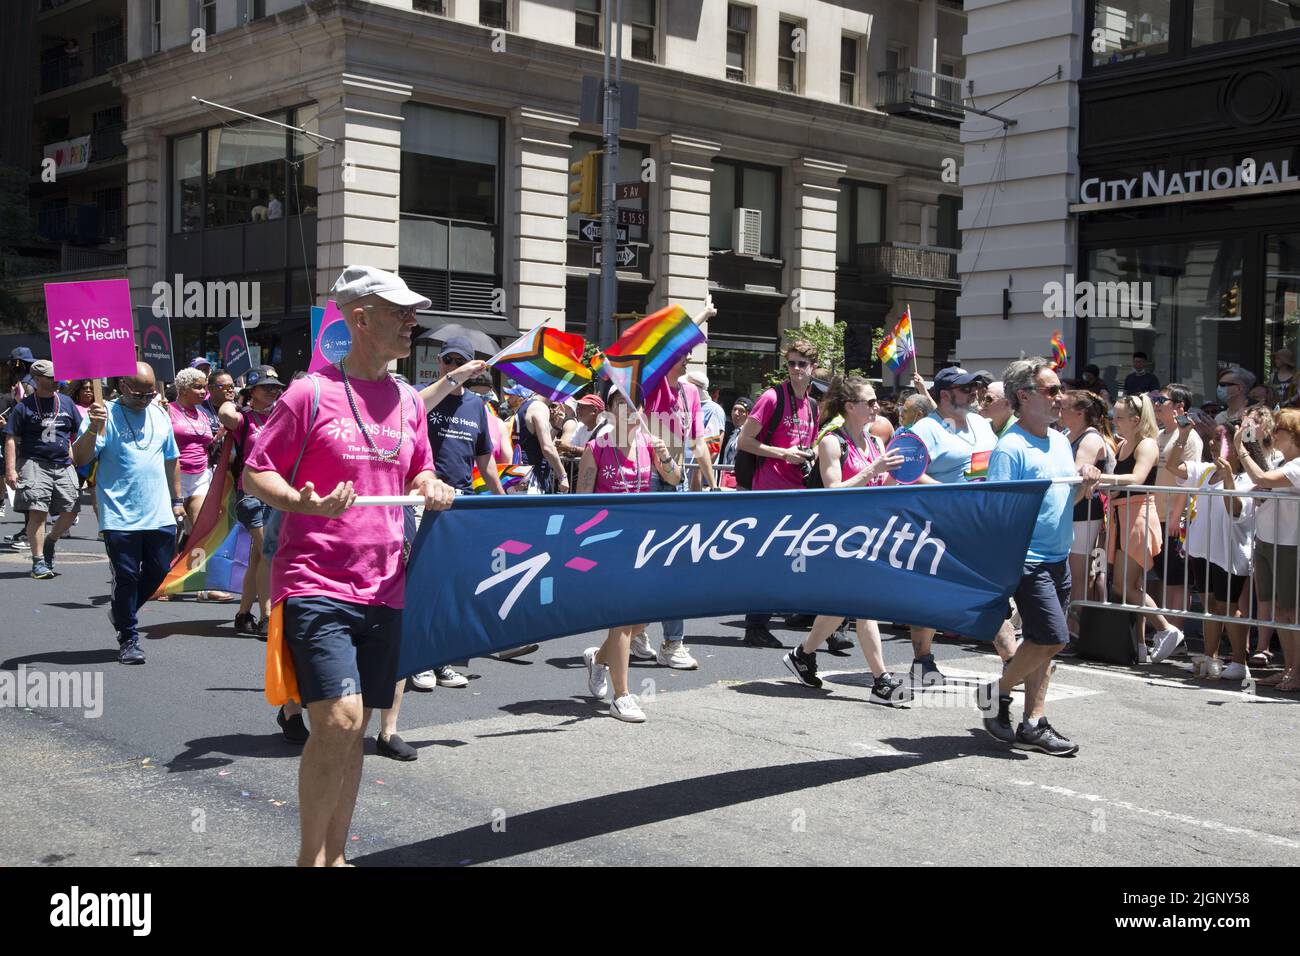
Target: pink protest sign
x=92, y=328
x=332, y=341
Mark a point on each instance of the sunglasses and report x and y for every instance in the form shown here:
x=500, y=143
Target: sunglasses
x=139, y=396
x=794, y=363
x=1159, y=400
x=453, y=359
x=1051, y=391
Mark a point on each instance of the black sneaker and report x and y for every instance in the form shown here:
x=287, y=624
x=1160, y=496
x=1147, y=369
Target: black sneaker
x=47, y=552
x=1044, y=739
x=997, y=723
x=130, y=653
x=245, y=626
x=803, y=666
x=761, y=637
x=840, y=641
x=800, y=620
x=295, y=730
x=926, y=673
x=890, y=691
x=395, y=748
x=263, y=630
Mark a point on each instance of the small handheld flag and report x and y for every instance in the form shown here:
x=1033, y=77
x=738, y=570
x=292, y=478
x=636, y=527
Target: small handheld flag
x=898, y=348
x=510, y=476
x=645, y=354
x=547, y=360
x=1059, y=355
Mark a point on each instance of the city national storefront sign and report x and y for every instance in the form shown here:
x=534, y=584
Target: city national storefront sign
x=1154, y=184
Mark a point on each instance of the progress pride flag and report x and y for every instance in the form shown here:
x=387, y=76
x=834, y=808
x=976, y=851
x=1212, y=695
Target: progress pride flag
x=92, y=328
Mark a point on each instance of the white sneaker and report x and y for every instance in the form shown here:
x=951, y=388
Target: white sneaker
x=597, y=674
x=1235, y=671
x=674, y=655
x=641, y=648
x=1143, y=652
x=1213, y=668
x=1167, y=641
x=450, y=678
x=425, y=680
x=626, y=708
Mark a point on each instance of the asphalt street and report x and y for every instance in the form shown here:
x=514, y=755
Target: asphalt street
x=737, y=764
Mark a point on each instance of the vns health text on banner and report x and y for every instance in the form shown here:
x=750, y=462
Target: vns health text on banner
x=493, y=573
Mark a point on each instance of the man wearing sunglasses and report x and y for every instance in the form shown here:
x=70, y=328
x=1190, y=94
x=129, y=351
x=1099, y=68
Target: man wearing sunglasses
x=37, y=465
x=138, y=484
x=960, y=441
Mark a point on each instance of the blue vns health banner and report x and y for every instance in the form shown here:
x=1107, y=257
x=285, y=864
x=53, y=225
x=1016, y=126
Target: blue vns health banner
x=496, y=572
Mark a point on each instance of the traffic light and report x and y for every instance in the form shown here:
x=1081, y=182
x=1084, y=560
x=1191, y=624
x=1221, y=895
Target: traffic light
x=1231, y=300
x=584, y=188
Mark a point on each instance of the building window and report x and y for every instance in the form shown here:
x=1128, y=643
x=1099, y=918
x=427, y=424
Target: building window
x=449, y=188
x=1281, y=296
x=304, y=162
x=1220, y=21
x=738, y=26
x=208, y=16
x=586, y=25
x=246, y=172
x=1173, y=301
x=156, y=29
x=738, y=186
x=641, y=15
x=429, y=6
x=947, y=232
x=492, y=13
x=849, y=70
x=895, y=58
x=259, y=9
x=1124, y=30
x=791, y=41
x=860, y=219
x=187, y=183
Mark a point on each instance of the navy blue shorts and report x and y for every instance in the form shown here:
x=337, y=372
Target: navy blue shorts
x=252, y=512
x=1042, y=596
x=341, y=648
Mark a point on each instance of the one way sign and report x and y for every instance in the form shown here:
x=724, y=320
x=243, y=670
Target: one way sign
x=589, y=230
x=624, y=257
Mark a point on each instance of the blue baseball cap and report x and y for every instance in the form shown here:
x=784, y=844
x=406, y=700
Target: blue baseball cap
x=22, y=354
x=262, y=375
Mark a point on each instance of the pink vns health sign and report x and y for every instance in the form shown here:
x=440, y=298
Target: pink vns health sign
x=92, y=328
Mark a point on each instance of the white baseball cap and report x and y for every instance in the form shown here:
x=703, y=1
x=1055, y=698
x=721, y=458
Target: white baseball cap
x=358, y=281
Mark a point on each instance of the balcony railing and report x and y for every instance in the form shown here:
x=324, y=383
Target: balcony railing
x=903, y=264
x=107, y=49
x=106, y=143
x=83, y=224
x=911, y=90
x=69, y=259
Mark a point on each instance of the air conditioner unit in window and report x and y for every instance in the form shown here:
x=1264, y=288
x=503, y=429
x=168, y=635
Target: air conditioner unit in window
x=747, y=232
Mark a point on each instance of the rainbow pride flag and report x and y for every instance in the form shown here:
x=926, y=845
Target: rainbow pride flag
x=1059, y=355
x=547, y=360
x=646, y=352
x=898, y=348
x=216, y=552
x=510, y=476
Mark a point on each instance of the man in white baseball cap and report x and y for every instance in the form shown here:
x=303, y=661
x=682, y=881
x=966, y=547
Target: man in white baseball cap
x=357, y=282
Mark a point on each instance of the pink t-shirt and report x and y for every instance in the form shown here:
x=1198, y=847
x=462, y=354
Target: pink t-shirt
x=797, y=428
x=673, y=410
x=616, y=473
x=193, y=436
x=855, y=460
x=357, y=556
x=254, y=422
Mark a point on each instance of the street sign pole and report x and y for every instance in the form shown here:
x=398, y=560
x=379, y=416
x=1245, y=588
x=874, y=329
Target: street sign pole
x=608, y=234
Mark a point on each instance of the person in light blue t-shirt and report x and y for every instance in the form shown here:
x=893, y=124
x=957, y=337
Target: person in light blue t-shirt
x=1033, y=449
x=139, y=490
x=959, y=441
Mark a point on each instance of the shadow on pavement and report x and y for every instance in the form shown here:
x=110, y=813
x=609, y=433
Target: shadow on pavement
x=576, y=708
x=104, y=655
x=196, y=755
x=628, y=809
x=789, y=689
x=219, y=628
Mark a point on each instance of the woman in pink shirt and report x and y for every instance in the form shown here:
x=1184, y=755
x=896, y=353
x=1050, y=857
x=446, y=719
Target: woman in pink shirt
x=850, y=456
x=622, y=461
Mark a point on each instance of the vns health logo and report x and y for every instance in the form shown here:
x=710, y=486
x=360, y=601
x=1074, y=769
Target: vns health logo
x=66, y=331
x=527, y=570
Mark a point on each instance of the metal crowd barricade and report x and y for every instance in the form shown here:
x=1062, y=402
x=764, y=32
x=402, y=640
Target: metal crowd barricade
x=1119, y=596
x=571, y=469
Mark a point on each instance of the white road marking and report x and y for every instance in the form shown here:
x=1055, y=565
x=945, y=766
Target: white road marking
x=1162, y=814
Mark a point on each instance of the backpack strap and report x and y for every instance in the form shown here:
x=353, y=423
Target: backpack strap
x=311, y=421
x=777, y=413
